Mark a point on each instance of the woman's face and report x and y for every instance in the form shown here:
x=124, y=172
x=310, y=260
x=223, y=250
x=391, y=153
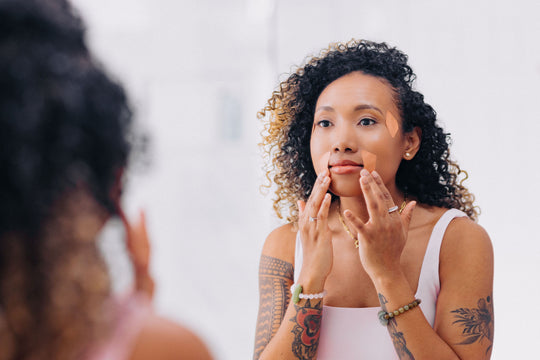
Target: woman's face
x=357, y=125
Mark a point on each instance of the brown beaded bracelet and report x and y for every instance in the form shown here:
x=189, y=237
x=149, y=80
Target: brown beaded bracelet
x=384, y=316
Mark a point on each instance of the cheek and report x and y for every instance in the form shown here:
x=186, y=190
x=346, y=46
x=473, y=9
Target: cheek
x=322, y=163
x=319, y=156
x=370, y=160
x=381, y=153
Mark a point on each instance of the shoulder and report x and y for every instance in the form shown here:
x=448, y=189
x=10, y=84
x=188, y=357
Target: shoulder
x=464, y=233
x=163, y=339
x=281, y=243
x=464, y=304
x=466, y=244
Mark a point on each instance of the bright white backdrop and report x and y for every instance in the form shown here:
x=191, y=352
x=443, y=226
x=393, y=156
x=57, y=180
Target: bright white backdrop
x=197, y=72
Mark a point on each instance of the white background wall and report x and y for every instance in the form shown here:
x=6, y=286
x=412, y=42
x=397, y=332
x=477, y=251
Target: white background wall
x=197, y=72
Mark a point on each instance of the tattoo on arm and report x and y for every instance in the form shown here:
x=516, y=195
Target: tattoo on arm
x=477, y=322
x=397, y=336
x=306, y=330
x=275, y=278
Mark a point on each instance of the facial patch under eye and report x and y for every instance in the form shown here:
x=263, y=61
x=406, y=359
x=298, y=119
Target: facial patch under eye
x=370, y=160
x=391, y=124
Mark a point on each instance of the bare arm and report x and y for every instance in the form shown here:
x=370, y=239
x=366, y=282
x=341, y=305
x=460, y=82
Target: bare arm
x=286, y=330
x=464, y=319
x=275, y=280
x=293, y=328
x=466, y=274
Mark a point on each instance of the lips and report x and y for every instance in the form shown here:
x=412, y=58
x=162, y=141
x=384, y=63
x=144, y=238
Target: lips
x=343, y=167
x=343, y=163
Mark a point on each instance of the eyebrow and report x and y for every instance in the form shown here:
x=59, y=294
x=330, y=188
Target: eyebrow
x=358, y=107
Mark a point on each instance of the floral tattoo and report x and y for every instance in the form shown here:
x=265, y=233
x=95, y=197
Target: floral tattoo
x=477, y=322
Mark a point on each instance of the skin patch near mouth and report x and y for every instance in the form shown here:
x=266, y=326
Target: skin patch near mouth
x=370, y=160
x=324, y=161
x=391, y=124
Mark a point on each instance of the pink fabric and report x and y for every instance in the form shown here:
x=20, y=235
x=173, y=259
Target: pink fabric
x=132, y=312
x=356, y=333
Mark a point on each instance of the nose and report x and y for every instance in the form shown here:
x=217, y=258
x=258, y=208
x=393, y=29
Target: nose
x=344, y=140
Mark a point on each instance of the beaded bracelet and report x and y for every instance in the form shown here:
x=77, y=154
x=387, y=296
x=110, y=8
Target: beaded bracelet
x=297, y=294
x=384, y=316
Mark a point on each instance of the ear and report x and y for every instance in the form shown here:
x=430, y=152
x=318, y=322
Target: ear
x=412, y=143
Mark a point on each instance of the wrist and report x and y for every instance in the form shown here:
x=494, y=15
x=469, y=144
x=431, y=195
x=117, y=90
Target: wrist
x=311, y=284
x=389, y=278
x=141, y=270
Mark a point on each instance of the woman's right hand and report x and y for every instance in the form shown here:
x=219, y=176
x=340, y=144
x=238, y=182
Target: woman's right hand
x=315, y=235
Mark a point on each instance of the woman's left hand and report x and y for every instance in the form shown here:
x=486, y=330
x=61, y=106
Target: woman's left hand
x=138, y=247
x=383, y=237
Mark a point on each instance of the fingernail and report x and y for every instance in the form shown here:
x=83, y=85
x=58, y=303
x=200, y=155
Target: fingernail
x=375, y=174
x=364, y=172
x=326, y=180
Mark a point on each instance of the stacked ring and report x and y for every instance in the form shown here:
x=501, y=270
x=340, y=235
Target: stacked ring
x=392, y=209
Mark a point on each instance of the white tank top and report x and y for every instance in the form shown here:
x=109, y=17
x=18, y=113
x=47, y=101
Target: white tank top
x=356, y=333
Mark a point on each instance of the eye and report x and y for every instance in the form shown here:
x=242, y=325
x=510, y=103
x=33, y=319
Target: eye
x=324, y=123
x=367, y=122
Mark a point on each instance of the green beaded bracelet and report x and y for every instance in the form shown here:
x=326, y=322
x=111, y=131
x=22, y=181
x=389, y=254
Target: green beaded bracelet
x=384, y=316
x=296, y=294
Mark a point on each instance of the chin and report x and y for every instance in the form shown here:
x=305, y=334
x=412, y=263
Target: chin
x=349, y=190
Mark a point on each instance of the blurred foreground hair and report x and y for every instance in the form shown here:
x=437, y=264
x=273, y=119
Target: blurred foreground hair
x=64, y=131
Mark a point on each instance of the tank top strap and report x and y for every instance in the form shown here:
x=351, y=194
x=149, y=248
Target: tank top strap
x=298, y=257
x=429, y=283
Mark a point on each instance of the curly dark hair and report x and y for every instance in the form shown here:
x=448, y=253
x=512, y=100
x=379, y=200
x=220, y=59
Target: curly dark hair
x=431, y=176
x=63, y=122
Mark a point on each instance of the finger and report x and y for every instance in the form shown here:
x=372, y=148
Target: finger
x=406, y=215
x=373, y=197
x=142, y=225
x=322, y=215
x=301, y=211
x=301, y=206
x=139, y=244
x=387, y=197
x=143, y=232
x=317, y=195
x=357, y=224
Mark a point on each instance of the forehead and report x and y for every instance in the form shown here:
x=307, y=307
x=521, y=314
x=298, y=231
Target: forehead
x=357, y=88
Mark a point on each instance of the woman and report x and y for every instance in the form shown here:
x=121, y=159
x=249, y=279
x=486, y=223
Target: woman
x=65, y=139
x=381, y=245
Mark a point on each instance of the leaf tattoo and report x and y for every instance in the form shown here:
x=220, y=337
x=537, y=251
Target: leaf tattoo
x=477, y=322
x=398, y=338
